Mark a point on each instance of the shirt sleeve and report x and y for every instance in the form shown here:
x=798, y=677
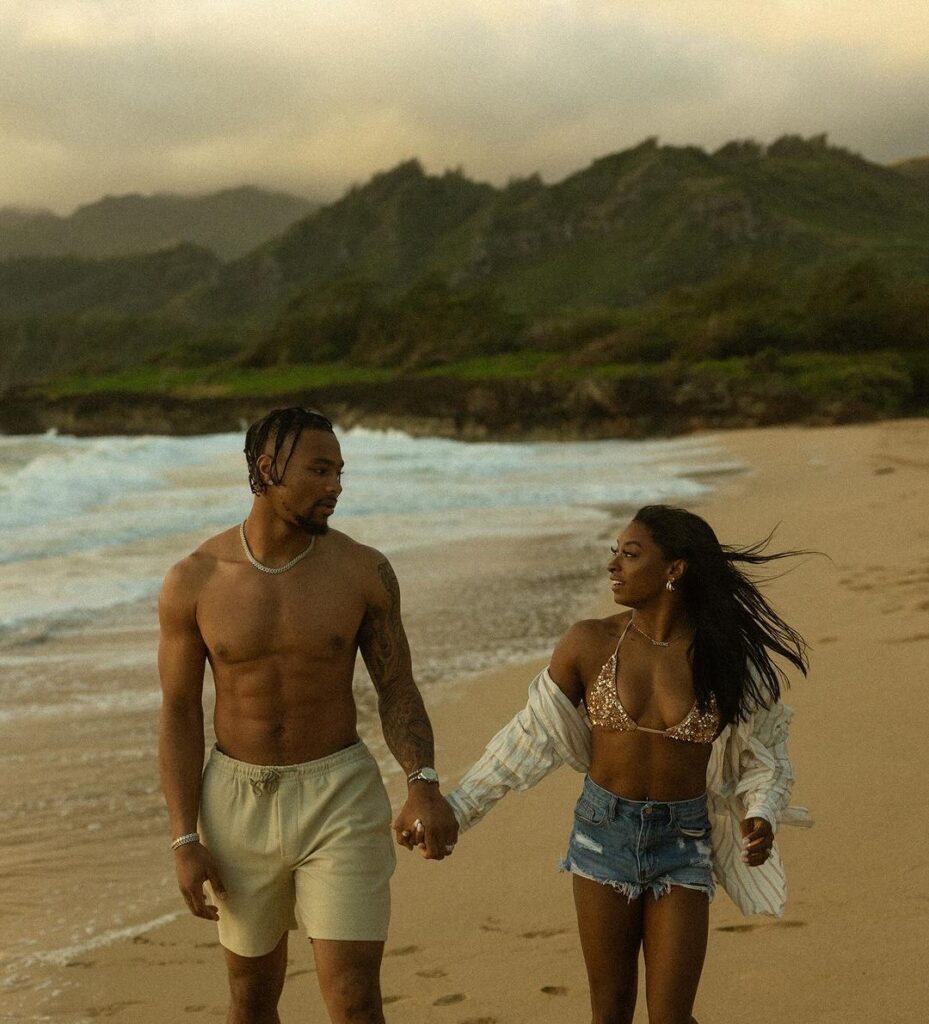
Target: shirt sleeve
x=765, y=776
x=540, y=738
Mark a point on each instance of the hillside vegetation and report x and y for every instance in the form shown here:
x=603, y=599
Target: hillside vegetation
x=229, y=223
x=797, y=267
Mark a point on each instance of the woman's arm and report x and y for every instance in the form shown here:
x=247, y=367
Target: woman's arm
x=548, y=732
x=766, y=777
x=565, y=666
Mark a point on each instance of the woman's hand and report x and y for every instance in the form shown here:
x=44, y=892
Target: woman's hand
x=757, y=840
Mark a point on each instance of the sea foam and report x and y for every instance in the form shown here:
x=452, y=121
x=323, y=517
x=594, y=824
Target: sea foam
x=74, y=511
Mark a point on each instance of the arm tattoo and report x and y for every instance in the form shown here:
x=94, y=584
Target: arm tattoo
x=386, y=653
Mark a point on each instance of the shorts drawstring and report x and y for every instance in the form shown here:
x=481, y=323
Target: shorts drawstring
x=267, y=781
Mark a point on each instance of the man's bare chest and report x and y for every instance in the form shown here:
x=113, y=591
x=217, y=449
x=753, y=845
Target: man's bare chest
x=244, y=619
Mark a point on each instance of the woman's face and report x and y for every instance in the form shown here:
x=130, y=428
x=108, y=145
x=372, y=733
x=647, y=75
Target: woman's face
x=638, y=569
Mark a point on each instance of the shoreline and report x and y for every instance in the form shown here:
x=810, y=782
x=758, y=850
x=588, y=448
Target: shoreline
x=673, y=403
x=488, y=937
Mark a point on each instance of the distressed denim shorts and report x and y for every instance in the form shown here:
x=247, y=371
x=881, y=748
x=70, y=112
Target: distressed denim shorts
x=634, y=845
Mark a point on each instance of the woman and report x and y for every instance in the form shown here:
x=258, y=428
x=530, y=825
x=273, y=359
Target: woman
x=684, y=745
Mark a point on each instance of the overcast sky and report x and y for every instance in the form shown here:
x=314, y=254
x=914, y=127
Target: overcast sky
x=114, y=96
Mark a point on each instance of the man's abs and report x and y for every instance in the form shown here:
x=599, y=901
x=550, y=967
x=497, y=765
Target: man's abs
x=266, y=716
x=283, y=656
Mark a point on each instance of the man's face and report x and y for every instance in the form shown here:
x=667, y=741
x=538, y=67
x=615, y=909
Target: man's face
x=309, y=487
x=638, y=569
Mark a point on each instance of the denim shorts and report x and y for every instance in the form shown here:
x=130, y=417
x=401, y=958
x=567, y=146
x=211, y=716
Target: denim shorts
x=634, y=845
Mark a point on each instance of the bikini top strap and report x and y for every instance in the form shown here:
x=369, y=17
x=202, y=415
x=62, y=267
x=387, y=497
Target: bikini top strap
x=619, y=643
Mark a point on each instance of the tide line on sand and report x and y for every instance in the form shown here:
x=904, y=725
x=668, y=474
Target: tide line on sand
x=65, y=955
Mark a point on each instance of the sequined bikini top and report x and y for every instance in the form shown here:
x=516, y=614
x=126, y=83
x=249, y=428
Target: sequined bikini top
x=606, y=710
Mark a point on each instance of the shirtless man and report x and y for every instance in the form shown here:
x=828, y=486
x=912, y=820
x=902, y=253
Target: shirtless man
x=290, y=817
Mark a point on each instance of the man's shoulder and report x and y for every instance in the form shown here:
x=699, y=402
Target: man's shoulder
x=366, y=567
x=363, y=556
x=192, y=571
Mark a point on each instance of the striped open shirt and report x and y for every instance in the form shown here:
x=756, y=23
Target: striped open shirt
x=749, y=775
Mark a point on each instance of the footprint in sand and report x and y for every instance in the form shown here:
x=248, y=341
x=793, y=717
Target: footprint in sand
x=554, y=990
x=402, y=951
x=434, y=972
x=455, y=997
x=111, y=1009
x=543, y=933
x=739, y=928
x=479, y=1020
x=387, y=1000
x=198, y=1008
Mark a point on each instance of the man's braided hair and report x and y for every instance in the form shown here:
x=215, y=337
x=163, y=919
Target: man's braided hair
x=278, y=428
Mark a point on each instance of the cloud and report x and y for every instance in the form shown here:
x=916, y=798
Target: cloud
x=113, y=95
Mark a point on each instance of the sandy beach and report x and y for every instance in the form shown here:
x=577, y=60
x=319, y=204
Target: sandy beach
x=488, y=936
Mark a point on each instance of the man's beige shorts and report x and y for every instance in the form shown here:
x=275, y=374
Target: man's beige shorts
x=304, y=840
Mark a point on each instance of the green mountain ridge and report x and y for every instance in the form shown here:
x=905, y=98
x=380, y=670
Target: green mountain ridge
x=649, y=254
x=916, y=168
x=383, y=231
x=230, y=223
x=630, y=226
x=130, y=285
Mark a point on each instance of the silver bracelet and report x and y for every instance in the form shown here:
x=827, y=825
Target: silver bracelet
x=191, y=837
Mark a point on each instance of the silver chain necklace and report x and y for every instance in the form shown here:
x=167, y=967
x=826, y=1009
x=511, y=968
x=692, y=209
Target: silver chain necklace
x=652, y=640
x=267, y=568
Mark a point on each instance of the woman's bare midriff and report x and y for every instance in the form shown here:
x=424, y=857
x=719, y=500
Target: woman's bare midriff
x=643, y=766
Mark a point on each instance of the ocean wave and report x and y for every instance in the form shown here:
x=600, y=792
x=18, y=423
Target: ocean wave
x=83, y=704
x=63, y=956
x=88, y=501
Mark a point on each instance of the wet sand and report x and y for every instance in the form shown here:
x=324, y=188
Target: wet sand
x=489, y=936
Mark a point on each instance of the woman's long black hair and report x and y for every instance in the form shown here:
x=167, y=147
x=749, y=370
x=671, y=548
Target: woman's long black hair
x=736, y=630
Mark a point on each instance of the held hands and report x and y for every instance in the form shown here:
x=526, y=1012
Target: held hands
x=757, y=840
x=195, y=866
x=426, y=822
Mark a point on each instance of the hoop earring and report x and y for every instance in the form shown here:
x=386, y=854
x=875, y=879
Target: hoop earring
x=669, y=586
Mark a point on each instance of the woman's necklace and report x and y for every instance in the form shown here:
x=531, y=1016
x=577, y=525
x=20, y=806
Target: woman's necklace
x=652, y=640
x=267, y=568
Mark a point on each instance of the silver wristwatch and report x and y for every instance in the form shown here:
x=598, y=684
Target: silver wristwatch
x=424, y=775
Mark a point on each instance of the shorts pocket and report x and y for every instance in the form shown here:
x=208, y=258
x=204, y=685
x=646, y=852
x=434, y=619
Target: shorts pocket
x=694, y=823
x=587, y=811
x=693, y=828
